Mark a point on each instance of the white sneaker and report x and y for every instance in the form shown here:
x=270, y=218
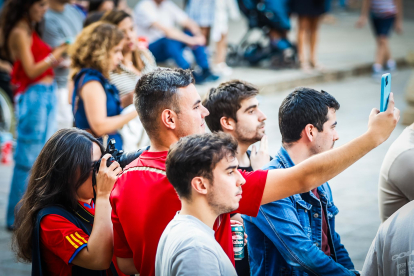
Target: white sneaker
x=391, y=65
x=222, y=69
x=377, y=71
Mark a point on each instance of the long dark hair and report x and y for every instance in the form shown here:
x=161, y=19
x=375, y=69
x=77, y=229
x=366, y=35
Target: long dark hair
x=96, y=4
x=62, y=166
x=12, y=12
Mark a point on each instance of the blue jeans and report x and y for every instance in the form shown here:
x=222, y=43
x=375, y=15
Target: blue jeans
x=36, y=122
x=166, y=48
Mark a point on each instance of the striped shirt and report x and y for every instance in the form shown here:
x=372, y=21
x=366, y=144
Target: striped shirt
x=383, y=8
x=125, y=80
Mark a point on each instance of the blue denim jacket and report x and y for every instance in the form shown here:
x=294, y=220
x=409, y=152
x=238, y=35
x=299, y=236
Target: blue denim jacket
x=286, y=236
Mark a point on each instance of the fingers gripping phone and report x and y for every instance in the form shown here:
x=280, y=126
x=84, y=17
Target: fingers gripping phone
x=385, y=91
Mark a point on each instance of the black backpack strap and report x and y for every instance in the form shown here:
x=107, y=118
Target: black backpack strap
x=37, y=269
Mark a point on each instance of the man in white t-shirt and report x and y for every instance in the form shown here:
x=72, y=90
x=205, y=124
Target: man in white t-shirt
x=392, y=251
x=158, y=21
x=203, y=170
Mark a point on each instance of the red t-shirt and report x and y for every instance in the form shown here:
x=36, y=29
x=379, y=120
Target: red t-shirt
x=61, y=241
x=325, y=244
x=144, y=202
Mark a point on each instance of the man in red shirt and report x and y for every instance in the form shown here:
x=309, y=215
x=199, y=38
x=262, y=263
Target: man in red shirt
x=144, y=202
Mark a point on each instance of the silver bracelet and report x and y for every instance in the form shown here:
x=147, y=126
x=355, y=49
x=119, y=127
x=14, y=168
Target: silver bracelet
x=50, y=59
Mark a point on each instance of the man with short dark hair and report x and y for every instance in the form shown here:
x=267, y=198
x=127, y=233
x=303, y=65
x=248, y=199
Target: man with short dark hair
x=234, y=109
x=298, y=232
x=203, y=170
x=144, y=201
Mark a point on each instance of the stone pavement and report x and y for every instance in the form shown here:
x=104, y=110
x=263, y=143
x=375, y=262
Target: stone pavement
x=343, y=50
x=355, y=190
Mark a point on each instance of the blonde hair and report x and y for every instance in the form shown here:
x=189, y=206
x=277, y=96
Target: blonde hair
x=92, y=46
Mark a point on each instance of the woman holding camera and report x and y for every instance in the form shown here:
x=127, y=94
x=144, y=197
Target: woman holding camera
x=32, y=78
x=59, y=228
x=96, y=105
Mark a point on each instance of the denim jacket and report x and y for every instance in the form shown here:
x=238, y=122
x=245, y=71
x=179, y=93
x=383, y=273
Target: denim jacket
x=286, y=236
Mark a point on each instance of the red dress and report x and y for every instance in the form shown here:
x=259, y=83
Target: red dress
x=19, y=78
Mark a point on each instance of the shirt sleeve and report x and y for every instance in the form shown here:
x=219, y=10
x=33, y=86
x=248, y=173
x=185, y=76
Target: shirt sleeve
x=401, y=174
x=190, y=262
x=179, y=15
x=121, y=247
x=145, y=14
x=252, y=192
x=62, y=237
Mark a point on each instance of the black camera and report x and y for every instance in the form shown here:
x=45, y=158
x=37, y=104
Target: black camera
x=117, y=155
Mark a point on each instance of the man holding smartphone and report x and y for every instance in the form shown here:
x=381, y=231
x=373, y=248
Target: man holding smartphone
x=144, y=201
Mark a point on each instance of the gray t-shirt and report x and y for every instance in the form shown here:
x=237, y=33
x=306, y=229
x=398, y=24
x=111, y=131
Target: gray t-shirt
x=58, y=27
x=392, y=251
x=396, y=181
x=188, y=247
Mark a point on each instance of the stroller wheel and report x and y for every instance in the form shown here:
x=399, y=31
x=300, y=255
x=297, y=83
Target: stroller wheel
x=255, y=53
x=233, y=57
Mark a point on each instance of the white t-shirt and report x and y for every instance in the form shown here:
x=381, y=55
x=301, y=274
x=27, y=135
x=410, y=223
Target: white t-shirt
x=392, y=251
x=166, y=14
x=188, y=247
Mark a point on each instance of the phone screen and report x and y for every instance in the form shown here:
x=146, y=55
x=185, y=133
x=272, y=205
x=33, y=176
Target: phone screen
x=385, y=91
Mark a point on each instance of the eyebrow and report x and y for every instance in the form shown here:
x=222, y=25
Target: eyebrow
x=334, y=124
x=231, y=167
x=197, y=102
x=250, y=107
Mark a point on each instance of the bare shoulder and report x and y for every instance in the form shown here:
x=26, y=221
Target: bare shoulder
x=93, y=89
x=19, y=33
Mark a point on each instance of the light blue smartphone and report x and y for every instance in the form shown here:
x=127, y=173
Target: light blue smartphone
x=385, y=91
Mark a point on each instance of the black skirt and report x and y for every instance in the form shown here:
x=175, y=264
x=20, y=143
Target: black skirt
x=311, y=8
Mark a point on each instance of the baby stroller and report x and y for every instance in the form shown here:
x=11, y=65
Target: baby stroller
x=270, y=16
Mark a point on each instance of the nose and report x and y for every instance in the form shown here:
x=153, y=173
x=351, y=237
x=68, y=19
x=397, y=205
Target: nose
x=129, y=35
x=336, y=136
x=204, y=112
x=240, y=179
x=262, y=116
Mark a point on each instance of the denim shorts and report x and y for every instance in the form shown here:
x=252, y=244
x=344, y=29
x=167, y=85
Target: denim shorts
x=382, y=26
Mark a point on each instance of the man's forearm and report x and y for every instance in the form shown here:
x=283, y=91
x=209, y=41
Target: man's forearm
x=316, y=170
x=178, y=35
x=192, y=27
x=325, y=166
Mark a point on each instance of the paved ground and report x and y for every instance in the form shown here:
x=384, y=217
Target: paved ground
x=355, y=190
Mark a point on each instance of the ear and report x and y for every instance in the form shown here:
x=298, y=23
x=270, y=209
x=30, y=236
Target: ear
x=199, y=185
x=309, y=132
x=227, y=124
x=169, y=118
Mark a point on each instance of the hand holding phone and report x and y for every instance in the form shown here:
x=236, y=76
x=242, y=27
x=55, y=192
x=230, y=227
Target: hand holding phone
x=385, y=91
